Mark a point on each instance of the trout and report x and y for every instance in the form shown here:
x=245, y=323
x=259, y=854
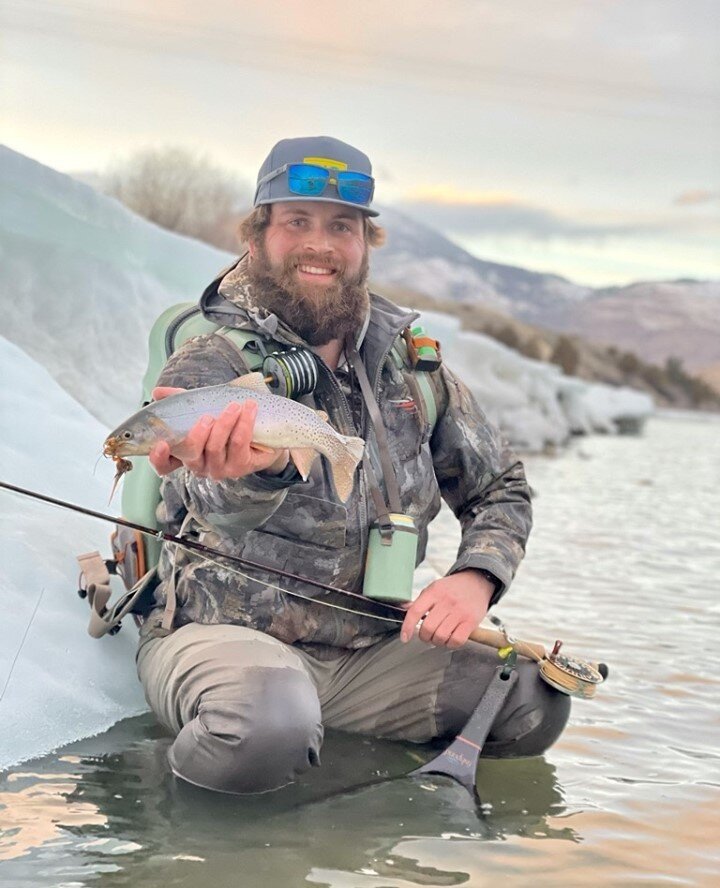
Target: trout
x=280, y=424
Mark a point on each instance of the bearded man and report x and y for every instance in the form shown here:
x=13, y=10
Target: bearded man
x=245, y=675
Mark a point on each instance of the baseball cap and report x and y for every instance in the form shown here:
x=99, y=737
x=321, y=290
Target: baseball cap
x=273, y=183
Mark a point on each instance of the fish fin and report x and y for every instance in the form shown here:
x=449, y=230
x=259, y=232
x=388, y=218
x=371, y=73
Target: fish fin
x=255, y=382
x=323, y=416
x=344, y=463
x=263, y=448
x=356, y=447
x=303, y=457
x=156, y=424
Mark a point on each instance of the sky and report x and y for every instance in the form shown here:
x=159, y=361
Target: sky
x=580, y=137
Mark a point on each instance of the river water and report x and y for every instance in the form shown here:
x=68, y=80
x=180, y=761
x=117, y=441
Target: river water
x=624, y=566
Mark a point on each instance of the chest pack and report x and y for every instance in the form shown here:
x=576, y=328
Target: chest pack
x=135, y=555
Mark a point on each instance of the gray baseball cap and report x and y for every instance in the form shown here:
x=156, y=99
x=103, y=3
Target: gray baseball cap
x=322, y=151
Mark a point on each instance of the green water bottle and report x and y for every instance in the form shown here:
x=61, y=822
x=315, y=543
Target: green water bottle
x=390, y=562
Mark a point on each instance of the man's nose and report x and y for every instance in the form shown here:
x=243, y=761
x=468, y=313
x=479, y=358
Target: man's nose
x=318, y=240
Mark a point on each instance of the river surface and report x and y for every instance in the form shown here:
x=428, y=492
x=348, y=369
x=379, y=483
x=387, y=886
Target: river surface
x=624, y=566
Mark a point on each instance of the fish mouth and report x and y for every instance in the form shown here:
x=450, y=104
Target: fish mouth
x=115, y=447
x=111, y=448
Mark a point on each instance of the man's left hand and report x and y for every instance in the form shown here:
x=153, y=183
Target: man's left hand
x=450, y=609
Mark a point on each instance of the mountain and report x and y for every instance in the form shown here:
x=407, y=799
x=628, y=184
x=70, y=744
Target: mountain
x=420, y=258
x=656, y=320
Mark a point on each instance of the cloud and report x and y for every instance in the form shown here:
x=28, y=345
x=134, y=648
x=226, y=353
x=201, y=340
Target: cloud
x=696, y=196
x=499, y=214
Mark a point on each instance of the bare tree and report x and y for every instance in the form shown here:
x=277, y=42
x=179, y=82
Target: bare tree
x=566, y=354
x=182, y=192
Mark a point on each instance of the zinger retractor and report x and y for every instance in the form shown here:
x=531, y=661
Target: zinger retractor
x=291, y=373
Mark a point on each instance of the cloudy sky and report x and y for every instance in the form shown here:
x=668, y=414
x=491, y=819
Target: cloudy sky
x=574, y=136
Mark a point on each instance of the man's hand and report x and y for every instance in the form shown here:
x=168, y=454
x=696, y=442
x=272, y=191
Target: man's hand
x=217, y=448
x=451, y=607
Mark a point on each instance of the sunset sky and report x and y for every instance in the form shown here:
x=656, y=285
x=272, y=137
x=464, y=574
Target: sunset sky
x=574, y=136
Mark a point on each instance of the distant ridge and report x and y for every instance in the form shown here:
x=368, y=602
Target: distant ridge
x=655, y=319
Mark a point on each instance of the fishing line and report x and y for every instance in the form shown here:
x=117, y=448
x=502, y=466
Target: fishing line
x=309, y=598
x=22, y=643
x=193, y=546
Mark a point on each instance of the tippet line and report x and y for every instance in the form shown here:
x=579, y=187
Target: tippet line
x=193, y=546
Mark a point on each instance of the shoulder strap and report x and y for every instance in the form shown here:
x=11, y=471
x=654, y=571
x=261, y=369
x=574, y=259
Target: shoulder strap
x=251, y=345
x=422, y=380
x=175, y=326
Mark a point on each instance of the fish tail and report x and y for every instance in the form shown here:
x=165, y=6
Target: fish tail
x=343, y=460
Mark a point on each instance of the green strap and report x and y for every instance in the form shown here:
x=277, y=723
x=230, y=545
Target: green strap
x=428, y=394
x=241, y=339
x=421, y=377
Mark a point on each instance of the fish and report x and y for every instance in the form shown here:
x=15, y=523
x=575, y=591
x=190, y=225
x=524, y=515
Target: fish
x=280, y=424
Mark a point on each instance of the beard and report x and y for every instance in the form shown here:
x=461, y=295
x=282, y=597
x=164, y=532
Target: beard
x=318, y=313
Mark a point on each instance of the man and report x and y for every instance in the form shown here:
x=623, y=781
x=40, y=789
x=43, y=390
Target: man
x=245, y=674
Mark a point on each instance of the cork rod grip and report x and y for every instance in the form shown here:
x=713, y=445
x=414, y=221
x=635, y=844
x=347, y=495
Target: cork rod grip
x=493, y=638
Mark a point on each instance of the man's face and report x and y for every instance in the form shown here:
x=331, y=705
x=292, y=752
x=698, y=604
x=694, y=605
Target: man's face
x=319, y=243
x=312, y=264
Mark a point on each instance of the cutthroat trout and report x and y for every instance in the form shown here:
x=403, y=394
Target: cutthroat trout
x=280, y=424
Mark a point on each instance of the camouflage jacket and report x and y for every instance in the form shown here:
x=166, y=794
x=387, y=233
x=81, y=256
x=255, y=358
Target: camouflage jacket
x=302, y=527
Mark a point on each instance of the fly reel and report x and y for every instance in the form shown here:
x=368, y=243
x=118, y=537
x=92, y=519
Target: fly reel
x=570, y=675
x=291, y=373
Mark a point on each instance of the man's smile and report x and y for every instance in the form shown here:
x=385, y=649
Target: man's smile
x=316, y=270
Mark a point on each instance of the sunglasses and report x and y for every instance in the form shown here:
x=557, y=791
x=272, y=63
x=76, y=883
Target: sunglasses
x=308, y=180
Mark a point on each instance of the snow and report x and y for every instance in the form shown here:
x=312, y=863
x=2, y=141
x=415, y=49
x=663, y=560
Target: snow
x=81, y=281
x=64, y=685
x=535, y=404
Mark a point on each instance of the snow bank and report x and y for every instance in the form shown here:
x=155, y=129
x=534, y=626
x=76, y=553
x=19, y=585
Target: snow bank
x=591, y=407
x=82, y=279
x=534, y=403
x=59, y=684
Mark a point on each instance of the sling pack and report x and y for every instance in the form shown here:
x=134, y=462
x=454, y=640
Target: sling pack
x=134, y=555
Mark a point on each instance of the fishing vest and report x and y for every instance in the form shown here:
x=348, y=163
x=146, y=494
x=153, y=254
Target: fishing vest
x=135, y=555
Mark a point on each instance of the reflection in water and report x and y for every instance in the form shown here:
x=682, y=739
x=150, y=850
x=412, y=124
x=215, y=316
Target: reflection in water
x=37, y=808
x=126, y=801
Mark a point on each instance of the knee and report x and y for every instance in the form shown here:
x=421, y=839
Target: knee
x=532, y=719
x=259, y=740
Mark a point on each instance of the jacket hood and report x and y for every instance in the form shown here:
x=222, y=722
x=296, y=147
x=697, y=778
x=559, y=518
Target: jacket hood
x=229, y=300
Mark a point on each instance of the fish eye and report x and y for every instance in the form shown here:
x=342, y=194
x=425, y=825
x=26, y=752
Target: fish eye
x=127, y=434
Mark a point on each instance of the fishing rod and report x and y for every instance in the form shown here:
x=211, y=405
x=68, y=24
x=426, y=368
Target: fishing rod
x=195, y=546
x=567, y=674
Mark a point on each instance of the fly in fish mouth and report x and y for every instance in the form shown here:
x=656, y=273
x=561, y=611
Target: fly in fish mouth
x=122, y=465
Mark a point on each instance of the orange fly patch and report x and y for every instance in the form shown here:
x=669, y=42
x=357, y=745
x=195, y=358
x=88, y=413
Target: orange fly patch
x=121, y=465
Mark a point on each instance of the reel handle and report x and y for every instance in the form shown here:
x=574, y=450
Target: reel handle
x=493, y=638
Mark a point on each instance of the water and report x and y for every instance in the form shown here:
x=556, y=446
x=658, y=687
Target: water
x=623, y=565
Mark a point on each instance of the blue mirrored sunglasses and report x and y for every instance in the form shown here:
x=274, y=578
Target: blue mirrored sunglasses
x=308, y=180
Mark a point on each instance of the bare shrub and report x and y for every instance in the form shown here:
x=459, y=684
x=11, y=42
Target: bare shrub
x=183, y=192
x=566, y=354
